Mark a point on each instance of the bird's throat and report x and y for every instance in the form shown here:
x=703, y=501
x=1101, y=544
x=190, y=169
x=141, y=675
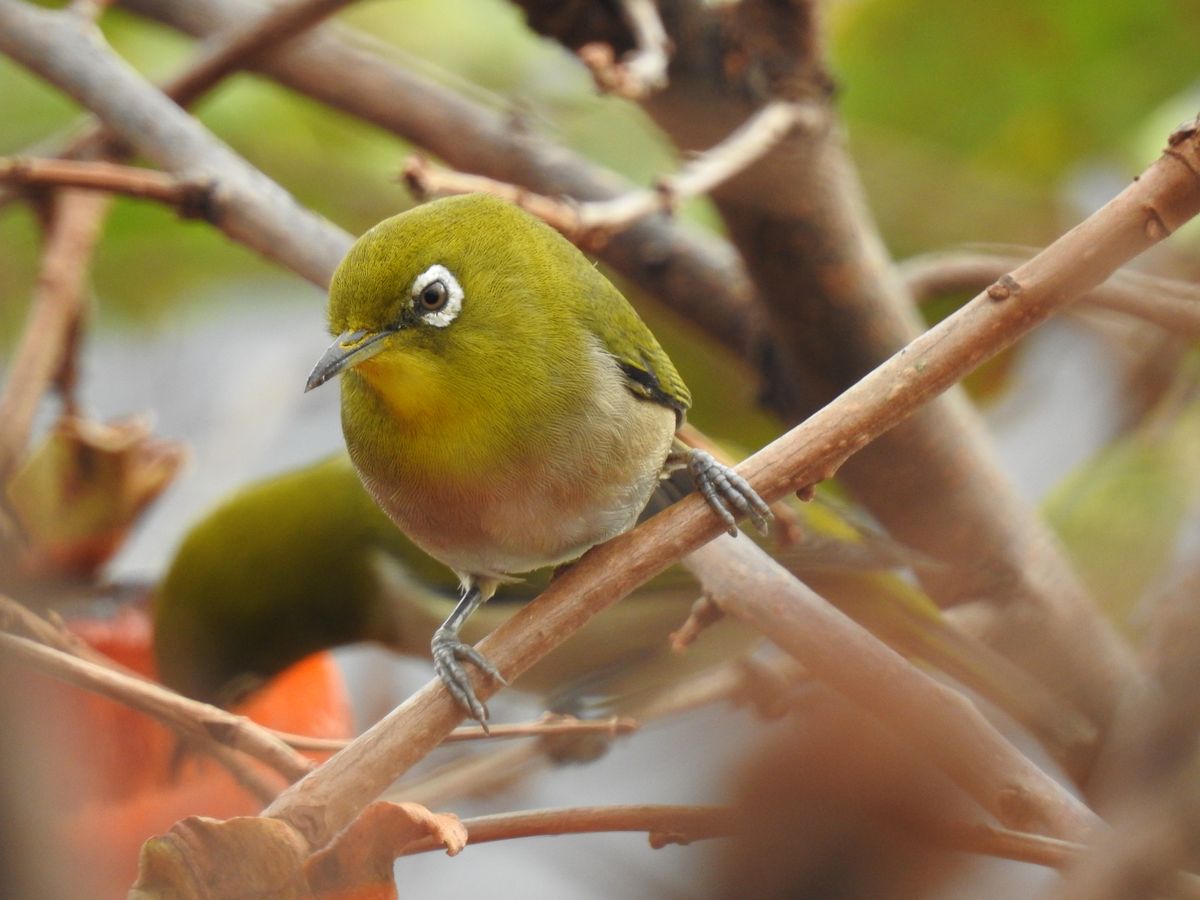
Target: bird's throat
x=413, y=388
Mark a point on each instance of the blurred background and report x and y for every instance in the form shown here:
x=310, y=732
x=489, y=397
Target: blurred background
x=991, y=122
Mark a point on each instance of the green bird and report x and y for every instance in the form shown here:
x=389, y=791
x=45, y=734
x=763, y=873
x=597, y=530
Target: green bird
x=502, y=401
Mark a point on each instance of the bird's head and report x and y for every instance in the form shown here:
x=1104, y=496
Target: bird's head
x=440, y=288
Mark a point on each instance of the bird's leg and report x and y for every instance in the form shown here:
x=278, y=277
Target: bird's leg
x=449, y=652
x=726, y=491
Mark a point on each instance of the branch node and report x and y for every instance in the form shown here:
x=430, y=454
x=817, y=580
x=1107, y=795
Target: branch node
x=704, y=612
x=198, y=200
x=1003, y=288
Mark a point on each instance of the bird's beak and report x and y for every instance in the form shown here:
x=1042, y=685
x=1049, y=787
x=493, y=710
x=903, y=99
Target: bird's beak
x=350, y=348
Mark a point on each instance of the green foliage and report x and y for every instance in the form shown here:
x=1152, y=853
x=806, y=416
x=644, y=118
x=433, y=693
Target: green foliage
x=1119, y=514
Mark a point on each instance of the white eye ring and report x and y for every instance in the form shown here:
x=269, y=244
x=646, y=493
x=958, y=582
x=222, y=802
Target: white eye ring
x=454, y=296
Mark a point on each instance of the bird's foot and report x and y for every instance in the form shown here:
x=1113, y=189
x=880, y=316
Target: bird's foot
x=448, y=655
x=727, y=492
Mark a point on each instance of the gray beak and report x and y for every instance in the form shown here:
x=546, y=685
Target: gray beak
x=350, y=348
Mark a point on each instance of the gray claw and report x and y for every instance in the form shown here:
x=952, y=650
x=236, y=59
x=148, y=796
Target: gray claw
x=728, y=492
x=448, y=650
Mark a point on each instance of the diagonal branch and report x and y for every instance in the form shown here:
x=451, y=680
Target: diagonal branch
x=188, y=717
x=593, y=223
x=1172, y=305
x=249, y=207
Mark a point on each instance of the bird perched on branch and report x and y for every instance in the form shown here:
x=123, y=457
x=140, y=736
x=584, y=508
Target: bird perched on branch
x=502, y=401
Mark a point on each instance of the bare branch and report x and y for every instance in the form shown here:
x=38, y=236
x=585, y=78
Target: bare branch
x=188, y=717
x=57, y=301
x=131, y=181
x=245, y=43
x=645, y=68
x=550, y=725
x=665, y=824
x=690, y=271
x=1170, y=304
x=246, y=205
x=593, y=223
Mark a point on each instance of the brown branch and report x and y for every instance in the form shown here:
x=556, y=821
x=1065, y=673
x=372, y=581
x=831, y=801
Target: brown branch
x=245, y=204
x=131, y=181
x=57, y=302
x=592, y=224
x=245, y=43
x=551, y=725
x=1170, y=304
x=665, y=824
x=188, y=717
x=1162, y=199
x=473, y=775
x=642, y=70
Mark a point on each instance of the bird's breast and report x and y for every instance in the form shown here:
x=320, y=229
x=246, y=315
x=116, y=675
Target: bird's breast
x=514, y=496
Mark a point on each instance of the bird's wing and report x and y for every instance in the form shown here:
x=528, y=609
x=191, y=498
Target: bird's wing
x=648, y=371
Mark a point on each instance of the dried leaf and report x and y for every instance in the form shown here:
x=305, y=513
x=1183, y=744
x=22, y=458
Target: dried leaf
x=359, y=861
x=78, y=494
x=247, y=858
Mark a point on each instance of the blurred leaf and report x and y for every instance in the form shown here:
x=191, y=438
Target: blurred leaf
x=78, y=494
x=1120, y=512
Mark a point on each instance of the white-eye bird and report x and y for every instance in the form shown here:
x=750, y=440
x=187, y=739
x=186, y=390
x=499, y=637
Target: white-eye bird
x=502, y=401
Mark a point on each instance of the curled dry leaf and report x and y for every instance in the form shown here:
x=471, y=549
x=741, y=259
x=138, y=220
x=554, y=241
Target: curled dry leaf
x=77, y=495
x=238, y=859
x=359, y=861
x=248, y=858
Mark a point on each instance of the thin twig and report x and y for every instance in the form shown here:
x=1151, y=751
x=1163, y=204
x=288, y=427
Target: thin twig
x=664, y=824
x=240, y=48
x=593, y=223
x=131, y=181
x=57, y=301
x=188, y=717
x=548, y=726
x=644, y=69
x=1172, y=305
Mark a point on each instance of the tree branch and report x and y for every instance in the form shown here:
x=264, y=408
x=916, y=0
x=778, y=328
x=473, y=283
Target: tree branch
x=131, y=181
x=801, y=224
x=694, y=273
x=56, y=307
x=642, y=70
x=1172, y=305
x=665, y=824
x=188, y=717
x=593, y=223
x=246, y=205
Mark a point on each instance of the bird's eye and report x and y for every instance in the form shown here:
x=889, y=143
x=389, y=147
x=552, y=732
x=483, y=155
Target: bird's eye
x=437, y=296
x=434, y=296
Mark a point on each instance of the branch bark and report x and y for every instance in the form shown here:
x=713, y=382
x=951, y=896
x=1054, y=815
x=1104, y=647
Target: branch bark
x=1172, y=305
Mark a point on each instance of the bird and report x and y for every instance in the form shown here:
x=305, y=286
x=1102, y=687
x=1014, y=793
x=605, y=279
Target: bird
x=502, y=402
